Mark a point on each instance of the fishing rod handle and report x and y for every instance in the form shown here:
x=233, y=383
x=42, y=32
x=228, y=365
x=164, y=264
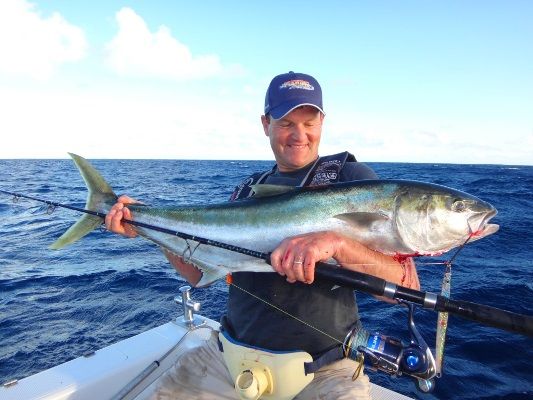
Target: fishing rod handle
x=372, y=284
x=355, y=280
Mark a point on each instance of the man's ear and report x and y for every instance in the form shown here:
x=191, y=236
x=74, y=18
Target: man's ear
x=265, y=121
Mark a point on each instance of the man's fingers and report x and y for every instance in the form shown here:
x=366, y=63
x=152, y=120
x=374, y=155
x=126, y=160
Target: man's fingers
x=275, y=261
x=296, y=257
x=298, y=268
x=116, y=222
x=127, y=200
x=114, y=217
x=287, y=266
x=309, y=270
x=129, y=230
x=109, y=217
x=126, y=212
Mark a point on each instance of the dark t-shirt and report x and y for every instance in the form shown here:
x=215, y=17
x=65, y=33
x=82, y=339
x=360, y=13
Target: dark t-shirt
x=315, y=317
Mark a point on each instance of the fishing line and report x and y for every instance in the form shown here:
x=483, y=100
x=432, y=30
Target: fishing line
x=284, y=312
x=17, y=196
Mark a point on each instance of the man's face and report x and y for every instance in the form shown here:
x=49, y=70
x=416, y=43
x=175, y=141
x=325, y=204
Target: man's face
x=295, y=137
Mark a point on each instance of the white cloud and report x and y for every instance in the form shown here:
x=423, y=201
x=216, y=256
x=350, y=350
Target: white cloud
x=35, y=46
x=135, y=51
x=405, y=140
x=132, y=122
x=129, y=123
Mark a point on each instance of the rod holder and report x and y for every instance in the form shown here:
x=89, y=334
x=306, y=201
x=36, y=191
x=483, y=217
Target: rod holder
x=189, y=306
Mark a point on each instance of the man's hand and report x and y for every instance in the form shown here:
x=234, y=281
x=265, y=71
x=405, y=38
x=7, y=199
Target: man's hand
x=296, y=256
x=113, y=219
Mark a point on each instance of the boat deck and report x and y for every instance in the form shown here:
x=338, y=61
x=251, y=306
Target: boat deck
x=105, y=373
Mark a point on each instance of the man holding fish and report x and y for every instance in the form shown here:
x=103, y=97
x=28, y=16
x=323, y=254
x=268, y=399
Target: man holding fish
x=316, y=316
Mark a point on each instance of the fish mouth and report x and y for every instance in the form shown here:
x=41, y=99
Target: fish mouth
x=487, y=230
x=483, y=227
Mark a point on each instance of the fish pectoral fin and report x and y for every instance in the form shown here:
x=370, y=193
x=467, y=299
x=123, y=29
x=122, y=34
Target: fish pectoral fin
x=362, y=219
x=195, y=272
x=210, y=275
x=266, y=190
x=189, y=272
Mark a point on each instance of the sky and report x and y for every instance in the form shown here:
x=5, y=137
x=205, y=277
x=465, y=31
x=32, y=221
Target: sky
x=403, y=81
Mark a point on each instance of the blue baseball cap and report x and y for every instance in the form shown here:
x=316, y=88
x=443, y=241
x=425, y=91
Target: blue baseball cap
x=289, y=91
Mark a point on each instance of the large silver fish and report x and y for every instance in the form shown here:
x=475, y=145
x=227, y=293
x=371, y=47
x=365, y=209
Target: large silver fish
x=390, y=216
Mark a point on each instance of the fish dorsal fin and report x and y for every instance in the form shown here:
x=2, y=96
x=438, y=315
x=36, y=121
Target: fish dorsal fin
x=265, y=190
x=363, y=219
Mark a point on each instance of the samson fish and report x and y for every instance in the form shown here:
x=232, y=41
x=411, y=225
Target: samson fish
x=394, y=217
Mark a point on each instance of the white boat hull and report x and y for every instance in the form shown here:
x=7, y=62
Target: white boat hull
x=106, y=372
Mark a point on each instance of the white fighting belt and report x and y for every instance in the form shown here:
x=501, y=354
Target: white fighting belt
x=263, y=374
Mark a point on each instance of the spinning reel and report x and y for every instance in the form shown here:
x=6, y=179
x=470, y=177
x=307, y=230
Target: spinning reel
x=392, y=356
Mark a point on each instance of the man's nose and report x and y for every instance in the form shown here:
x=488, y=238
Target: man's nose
x=299, y=131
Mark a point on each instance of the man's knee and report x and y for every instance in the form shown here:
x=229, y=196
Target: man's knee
x=334, y=382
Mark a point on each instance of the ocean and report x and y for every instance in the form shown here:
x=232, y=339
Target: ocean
x=58, y=305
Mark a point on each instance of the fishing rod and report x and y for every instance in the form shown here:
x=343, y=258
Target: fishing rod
x=487, y=315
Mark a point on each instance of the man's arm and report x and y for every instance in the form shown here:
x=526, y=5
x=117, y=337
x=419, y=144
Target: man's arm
x=295, y=258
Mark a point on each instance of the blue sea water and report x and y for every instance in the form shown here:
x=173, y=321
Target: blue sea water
x=58, y=305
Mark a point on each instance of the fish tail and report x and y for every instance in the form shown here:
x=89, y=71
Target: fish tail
x=100, y=198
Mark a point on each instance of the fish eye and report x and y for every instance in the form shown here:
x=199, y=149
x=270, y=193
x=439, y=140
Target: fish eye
x=458, y=206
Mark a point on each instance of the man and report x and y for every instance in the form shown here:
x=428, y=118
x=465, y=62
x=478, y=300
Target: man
x=293, y=123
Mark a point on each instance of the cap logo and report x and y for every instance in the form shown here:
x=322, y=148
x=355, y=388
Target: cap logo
x=297, y=84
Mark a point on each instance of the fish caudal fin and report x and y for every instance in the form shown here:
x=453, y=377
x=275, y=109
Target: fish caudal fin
x=100, y=198
x=82, y=227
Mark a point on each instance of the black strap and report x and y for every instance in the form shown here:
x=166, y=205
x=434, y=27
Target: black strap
x=244, y=190
x=328, y=357
x=326, y=169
